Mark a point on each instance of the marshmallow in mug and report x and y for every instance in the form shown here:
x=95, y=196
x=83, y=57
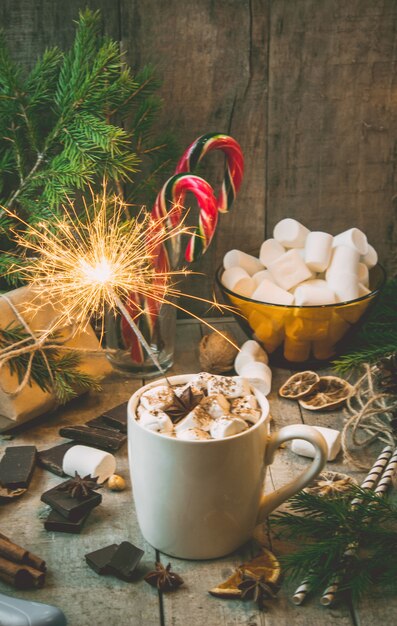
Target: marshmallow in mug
x=227, y=426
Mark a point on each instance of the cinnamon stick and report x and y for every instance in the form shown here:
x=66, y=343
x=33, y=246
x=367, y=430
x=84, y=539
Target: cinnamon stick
x=13, y=552
x=20, y=575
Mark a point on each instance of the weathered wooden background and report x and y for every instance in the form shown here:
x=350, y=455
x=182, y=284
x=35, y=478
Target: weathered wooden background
x=308, y=87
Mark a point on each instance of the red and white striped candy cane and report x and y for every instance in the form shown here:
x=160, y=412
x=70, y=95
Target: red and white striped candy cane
x=234, y=169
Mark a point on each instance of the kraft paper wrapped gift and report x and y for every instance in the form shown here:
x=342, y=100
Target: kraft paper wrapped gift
x=39, y=315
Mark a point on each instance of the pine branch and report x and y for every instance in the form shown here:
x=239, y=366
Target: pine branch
x=322, y=528
x=378, y=335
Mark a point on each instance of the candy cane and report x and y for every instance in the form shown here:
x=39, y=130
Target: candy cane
x=169, y=205
x=234, y=168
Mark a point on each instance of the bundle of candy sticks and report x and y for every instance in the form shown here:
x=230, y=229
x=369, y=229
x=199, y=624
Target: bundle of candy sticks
x=169, y=205
x=382, y=471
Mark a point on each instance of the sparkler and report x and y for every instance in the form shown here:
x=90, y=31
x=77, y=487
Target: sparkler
x=93, y=262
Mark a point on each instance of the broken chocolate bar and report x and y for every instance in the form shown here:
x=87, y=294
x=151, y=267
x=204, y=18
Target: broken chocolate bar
x=99, y=559
x=52, y=458
x=109, y=440
x=69, y=507
x=57, y=523
x=125, y=559
x=16, y=466
x=117, y=417
x=100, y=422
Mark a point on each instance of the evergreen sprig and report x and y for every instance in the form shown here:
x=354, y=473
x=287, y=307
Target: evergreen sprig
x=377, y=337
x=78, y=116
x=322, y=528
x=67, y=379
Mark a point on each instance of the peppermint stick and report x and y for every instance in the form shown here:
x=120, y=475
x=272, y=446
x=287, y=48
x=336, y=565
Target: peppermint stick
x=370, y=480
x=386, y=461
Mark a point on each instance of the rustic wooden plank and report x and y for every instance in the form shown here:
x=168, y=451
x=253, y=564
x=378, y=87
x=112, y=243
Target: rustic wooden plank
x=332, y=117
x=85, y=597
x=31, y=27
x=212, y=59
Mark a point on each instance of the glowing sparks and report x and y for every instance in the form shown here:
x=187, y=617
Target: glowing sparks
x=98, y=261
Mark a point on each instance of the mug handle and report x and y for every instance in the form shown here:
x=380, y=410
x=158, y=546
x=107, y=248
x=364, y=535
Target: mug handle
x=271, y=501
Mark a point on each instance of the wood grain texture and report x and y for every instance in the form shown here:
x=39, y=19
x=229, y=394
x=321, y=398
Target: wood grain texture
x=332, y=117
x=212, y=57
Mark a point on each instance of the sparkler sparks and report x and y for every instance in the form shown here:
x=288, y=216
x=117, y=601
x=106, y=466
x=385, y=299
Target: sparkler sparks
x=95, y=262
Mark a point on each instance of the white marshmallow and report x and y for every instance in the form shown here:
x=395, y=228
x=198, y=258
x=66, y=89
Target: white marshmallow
x=259, y=276
x=259, y=375
x=229, y=386
x=318, y=248
x=371, y=258
x=160, y=397
x=354, y=238
x=246, y=408
x=233, y=275
x=332, y=439
x=200, y=381
x=345, y=286
x=237, y=258
x=156, y=420
x=363, y=274
x=289, y=270
x=344, y=259
x=216, y=406
x=86, y=460
x=363, y=290
x=314, y=296
x=290, y=233
x=227, y=426
x=193, y=434
x=313, y=282
x=245, y=287
x=197, y=418
x=243, y=358
x=255, y=349
x=272, y=293
x=270, y=251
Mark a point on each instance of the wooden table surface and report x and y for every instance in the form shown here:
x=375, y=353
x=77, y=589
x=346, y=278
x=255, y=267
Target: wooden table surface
x=88, y=599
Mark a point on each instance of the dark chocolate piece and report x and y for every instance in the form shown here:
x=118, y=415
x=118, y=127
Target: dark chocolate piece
x=99, y=559
x=124, y=560
x=56, y=522
x=117, y=417
x=52, y=458
x=100, y=422
x=16, y=466
x=110, y=440
x=69, y=507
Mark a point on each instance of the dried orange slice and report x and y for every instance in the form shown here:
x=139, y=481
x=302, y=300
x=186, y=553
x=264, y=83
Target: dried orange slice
x=329, y=393
x=329, y=484
x=299, y=385
x=265, y=566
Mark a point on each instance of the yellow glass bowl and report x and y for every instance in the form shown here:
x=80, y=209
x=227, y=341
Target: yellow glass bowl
x=301, y=334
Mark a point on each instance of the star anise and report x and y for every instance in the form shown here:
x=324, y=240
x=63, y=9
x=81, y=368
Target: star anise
x=79, y=487
x=183, y=404
x=257, y=589
x=162, y=578
x=387, y=374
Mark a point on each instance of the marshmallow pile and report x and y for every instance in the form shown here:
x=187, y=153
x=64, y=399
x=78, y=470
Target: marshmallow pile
x=227, y=407
x=299, y=267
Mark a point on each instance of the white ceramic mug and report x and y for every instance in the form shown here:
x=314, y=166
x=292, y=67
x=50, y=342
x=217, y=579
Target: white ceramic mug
x=203, y=499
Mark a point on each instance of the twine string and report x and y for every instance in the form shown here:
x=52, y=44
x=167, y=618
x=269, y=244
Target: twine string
x=368, y=415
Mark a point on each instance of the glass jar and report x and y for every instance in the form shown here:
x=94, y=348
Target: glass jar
x=125, y=350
